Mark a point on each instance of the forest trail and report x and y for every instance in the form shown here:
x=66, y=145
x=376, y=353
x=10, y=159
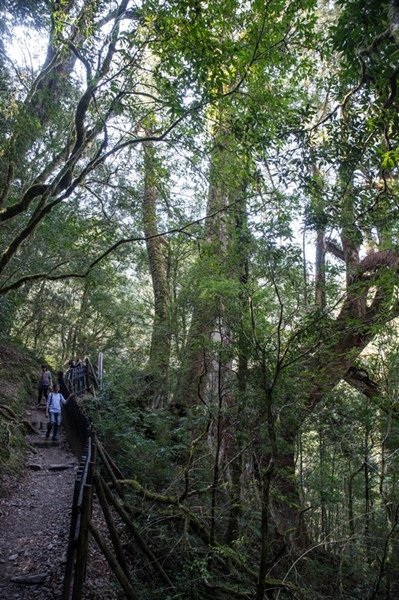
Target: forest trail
x=35, y=518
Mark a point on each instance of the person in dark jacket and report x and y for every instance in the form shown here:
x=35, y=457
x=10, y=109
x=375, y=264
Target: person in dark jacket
x=62, y=384
x=44, y=384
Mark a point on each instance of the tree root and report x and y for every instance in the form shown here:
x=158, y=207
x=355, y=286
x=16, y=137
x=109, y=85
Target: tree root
x=28, y=426
x=8, y=412
x=10, y=415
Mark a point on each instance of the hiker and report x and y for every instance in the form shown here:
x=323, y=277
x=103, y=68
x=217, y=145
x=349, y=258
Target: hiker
x=53, y=411
x=44, y=384
x=62, y=384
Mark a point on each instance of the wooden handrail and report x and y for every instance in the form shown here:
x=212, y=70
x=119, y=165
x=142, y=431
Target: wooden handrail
x=83, y=441
x=80, y=515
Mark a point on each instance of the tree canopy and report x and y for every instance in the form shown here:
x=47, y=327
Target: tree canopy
x=207, y=192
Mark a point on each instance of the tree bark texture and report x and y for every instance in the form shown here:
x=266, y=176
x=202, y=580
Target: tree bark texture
x=158, y=363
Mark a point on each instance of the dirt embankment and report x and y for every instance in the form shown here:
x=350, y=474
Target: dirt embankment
x=18, y=375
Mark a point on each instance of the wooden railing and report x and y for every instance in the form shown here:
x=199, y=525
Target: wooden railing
x=75, y=568
x=83, y=378
x=99, y=473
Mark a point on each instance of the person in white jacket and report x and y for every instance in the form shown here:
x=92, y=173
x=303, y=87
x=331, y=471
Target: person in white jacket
x=55, y=400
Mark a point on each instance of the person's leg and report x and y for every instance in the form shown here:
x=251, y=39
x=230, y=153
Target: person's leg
x=49, y=427
x=39, y=397
x=57, y=418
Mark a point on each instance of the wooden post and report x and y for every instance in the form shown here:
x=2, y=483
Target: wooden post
x=110, y=471
x=92, y=379
x=139, y=539
x=111, y=462
x=86, y=506
x=71, y=541
x=86, y=374
x=119, y=573
x=120, y=555
x=82, y=550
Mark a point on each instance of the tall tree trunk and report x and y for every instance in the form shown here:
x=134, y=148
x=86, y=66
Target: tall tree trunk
x=234, y=449
x=157, y=369
x=323, y=504
x=351, y=514
x=285, y=502
x=389, y=490
x=367, y=491
x=207, y=374
x=320, y=217
x=320, y=268
x=192, y=380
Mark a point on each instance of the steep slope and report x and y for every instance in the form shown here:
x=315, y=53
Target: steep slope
x=18, y=375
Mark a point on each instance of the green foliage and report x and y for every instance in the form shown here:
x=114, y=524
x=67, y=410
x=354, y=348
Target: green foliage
x=131, y=431
x=268, y=123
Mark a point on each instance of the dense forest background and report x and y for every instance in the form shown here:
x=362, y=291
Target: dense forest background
x=207, y=192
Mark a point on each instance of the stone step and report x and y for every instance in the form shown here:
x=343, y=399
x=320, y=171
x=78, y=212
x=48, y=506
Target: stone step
x=34, y=466
x=39, y=425
x=43, y=442
x=33, y=579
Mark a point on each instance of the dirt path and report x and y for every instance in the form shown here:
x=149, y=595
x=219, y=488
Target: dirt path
x=35, y=517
